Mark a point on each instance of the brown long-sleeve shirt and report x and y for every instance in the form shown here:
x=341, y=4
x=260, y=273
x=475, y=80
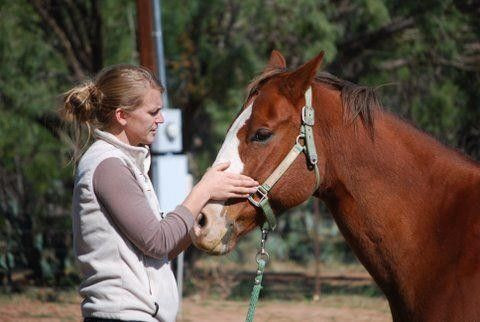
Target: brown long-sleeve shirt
x=117, y=190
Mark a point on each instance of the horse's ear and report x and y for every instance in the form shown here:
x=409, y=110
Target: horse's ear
x=276, y=61
x=299, y=80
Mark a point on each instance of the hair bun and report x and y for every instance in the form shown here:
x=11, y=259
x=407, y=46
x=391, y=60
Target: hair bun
x=96, y=95
x=79, y=103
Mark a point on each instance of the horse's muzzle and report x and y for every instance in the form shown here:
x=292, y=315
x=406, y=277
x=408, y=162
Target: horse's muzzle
x=212, y=231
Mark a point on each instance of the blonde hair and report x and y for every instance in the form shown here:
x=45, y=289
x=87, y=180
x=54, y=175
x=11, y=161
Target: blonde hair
x=92, y=104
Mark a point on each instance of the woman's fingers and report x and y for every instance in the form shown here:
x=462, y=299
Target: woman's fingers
x=243, y=190
x=243, y=183
x=242, y=180
x=238, y=195
x=244, y=177
x=222, y=166
x=224, y=185
x=237, y=176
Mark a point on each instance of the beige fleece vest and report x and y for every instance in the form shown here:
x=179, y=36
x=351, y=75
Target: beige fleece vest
x=119, y=281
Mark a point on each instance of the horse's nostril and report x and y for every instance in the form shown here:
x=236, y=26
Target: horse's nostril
x=202, y=220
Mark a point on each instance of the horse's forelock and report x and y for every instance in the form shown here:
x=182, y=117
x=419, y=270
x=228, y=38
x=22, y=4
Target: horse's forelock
x=257, y=82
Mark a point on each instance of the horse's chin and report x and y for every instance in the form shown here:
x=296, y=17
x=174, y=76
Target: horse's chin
x=217, y=240
x=217, y=228
x=218, y=249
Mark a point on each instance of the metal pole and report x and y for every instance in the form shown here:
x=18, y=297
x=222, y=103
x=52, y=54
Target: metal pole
x=166, y=164
x=158, y=36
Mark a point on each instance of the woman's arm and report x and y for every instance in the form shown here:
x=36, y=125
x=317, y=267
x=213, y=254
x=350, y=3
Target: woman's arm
x=119, y=193
x=181, y=246
x=216, y=184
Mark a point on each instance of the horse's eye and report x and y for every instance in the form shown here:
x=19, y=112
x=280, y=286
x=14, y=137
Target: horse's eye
x=262, y=135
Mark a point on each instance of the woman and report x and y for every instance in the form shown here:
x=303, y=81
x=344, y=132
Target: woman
x=121, y=239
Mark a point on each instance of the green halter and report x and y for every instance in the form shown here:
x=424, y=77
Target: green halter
x=306, y=133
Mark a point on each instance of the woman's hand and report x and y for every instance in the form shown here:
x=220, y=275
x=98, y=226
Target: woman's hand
x=216, y=184
x=221, y=185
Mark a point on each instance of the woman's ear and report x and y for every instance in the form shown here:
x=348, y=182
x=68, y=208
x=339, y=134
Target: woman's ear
x=121, y=116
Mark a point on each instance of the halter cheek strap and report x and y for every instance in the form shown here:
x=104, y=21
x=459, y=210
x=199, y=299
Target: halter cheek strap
x=308, y=121
x=306, y=133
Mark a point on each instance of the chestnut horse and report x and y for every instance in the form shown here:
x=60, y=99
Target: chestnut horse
x=407, y=205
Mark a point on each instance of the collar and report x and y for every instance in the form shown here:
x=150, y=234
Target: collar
x=140, y=155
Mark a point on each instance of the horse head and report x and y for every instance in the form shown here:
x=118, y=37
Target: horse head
x=264, y=132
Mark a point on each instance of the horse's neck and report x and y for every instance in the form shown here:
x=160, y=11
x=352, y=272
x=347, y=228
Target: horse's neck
x=396, y=200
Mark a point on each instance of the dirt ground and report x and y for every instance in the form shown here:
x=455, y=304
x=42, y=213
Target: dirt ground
x=44, y=305
x=349, y=295
x=332, y=308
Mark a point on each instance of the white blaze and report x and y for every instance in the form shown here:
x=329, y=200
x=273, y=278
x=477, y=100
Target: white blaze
x=229, y=152
x=229, y=149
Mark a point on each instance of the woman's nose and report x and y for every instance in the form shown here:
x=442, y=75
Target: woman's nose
x=159, y=118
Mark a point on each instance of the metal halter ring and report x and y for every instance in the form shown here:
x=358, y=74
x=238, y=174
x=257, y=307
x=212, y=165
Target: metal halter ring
x=297, y=140
x=262, y=255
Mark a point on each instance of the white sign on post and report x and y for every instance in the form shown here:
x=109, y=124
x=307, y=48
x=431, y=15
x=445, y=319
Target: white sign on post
x=171, y=177
x=169, y=138
x=170, y=171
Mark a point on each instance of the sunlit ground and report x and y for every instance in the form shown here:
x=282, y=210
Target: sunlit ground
x=219, y=291
x=47, y=305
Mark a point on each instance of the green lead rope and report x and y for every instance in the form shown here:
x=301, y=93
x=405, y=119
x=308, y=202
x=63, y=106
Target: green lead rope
x=262, y=258
x=257, y=287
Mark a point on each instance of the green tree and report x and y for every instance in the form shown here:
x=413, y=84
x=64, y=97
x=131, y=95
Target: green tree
x=45, y=47
x=427, y=51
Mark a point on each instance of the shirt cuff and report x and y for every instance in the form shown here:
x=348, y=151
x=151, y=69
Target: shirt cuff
x=185, y=214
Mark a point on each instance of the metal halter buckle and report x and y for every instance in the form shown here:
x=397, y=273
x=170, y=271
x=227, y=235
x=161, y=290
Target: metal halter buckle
x=263, y=196
x=308, y=116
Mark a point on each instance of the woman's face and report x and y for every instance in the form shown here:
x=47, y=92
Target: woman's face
x=142, y=123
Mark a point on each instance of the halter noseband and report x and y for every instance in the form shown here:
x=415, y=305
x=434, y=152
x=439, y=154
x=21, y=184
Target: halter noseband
x=306, y=133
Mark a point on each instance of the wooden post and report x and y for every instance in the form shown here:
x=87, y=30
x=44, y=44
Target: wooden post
x=145, y=44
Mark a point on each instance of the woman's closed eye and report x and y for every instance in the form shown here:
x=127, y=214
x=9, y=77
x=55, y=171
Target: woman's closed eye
x=262, y=135
x=154, y=112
